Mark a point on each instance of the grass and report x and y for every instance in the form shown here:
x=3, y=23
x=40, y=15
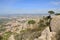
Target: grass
x=6, y=35
x=31, y=34
x=27, y=33
x=3, y=21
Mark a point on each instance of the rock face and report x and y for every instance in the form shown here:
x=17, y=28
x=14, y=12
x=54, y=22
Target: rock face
x=28, y=35
x=47, y=35
x=55, y=26
x=55, y=23
x=11, y=37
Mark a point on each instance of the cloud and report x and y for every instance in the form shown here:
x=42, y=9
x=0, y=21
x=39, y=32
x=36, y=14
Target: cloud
x=9, y=8
x=56, y=3
x=56, y=10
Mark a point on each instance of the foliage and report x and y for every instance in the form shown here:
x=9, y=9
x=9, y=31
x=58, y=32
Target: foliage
x=1, y=37
x=2, y=28
x=31, y=22
x=6, y=35
x=29, y=34
x=47, y=23
x=51, y=12
x=4, y=20
x=57, y=14
x=41, y=23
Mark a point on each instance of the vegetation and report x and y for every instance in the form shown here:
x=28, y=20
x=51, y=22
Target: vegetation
x=51, y=12
x=1, y=37
x=43, y=23
x=49, y=17
x=31, y=22
x=29, y=34
x=6, y=35
x=4, y=20
x=2, y=28
x=57, y=14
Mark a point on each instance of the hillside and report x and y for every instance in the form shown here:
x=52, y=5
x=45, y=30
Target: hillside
x=38, y=30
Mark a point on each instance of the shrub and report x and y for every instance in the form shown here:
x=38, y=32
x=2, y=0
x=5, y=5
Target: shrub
x=6, y=35
x=1, y=37
x=57, y=14
x=41, y=23
x=31, y=22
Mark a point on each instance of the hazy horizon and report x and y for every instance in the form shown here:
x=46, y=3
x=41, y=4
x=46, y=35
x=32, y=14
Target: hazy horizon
x=28, y=6
x=8, y=15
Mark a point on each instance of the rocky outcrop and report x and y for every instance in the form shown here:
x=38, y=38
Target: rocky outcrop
x=28, y=35
x=11, y=37
x=55, y=23
x=47, y=35
x=55, y=34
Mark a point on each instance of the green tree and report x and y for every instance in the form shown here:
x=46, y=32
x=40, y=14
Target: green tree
x=31, y=22
x=41, y=23
x=51, y=12
x=49, y=17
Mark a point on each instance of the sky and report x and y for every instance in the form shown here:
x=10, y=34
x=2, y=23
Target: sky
x=29, y=6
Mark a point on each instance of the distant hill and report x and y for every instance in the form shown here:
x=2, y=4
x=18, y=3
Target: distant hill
x=57, y=14
x=8, y=15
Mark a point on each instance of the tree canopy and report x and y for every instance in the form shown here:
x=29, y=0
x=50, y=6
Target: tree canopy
x=49, y=17
x=51, y=12
x=31, y=22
